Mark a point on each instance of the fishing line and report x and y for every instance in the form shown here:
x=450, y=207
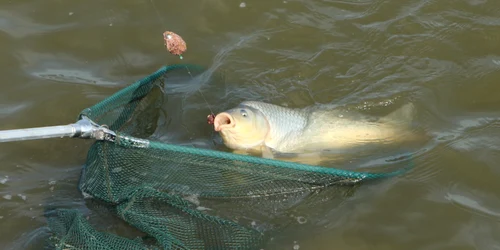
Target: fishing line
x=208, y=105
x=189, y=72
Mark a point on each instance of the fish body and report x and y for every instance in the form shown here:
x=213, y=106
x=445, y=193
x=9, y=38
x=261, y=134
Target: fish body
x=271, y=129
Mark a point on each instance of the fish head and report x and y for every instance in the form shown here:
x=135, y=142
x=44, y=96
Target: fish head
x=242, y=127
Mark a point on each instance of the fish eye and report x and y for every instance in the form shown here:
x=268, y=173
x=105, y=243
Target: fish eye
x=243, y=113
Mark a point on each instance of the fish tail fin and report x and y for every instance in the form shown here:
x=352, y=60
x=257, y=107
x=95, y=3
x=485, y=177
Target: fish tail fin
x=402, y=117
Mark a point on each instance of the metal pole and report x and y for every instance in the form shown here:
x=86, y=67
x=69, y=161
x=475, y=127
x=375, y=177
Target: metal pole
x=81, y=129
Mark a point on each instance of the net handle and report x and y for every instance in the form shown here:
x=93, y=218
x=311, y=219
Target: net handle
x=84, y=129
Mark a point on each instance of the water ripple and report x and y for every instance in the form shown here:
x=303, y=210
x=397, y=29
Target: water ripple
x=7, y=110
x=477, y=202
x=19, y=27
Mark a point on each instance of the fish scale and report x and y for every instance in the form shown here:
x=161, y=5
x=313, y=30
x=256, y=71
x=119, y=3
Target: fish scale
x=291, y=123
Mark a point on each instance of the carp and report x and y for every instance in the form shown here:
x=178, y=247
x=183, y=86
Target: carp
x=254, y=127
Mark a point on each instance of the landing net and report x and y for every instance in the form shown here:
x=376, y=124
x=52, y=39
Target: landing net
x=181, y=197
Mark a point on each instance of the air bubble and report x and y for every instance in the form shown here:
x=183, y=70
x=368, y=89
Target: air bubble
x=301, y=220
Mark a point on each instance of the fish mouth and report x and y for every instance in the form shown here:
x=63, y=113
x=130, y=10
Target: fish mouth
x=223, y=120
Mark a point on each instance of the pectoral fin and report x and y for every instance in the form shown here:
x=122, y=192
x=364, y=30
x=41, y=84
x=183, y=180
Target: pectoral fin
x=241, y=152
x=267, y=152
x=304, y=158
x=314, y=158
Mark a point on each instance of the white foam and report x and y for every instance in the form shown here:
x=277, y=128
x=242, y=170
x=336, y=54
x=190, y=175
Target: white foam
x=116, y=170
x=22, y=196
x=4, y=180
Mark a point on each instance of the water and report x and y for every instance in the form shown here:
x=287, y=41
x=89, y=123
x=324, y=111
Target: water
x=59, y=57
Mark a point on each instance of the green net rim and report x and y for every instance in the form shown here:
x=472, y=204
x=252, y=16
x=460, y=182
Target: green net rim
x=226, y=155
x=274, y=162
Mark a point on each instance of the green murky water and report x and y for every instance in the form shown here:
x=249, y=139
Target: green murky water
x=59, y=57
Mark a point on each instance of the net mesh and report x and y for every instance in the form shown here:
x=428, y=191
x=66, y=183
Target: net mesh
x=184, y=197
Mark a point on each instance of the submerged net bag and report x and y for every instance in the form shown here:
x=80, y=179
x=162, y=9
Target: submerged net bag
x=182, y=197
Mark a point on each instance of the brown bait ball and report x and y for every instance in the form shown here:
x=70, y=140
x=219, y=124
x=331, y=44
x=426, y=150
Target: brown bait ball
x=210, y=118
x=174, y=43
